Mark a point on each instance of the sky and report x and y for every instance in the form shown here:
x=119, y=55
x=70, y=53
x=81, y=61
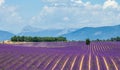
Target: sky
x=58, y=14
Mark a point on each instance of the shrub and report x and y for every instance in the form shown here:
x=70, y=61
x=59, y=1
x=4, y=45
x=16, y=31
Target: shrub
x=87, y=41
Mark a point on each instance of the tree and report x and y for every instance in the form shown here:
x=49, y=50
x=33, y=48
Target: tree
x=61, y=39
x=87, y=41
x=14, y=38
x=22, y=38
x=37, y=39
x=97, y=39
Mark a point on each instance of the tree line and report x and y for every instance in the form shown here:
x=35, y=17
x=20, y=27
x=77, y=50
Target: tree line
x=115, y=39
x=111, y=39
x=36, y=39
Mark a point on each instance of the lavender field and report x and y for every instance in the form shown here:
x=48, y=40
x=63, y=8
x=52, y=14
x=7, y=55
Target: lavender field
x=60, y=56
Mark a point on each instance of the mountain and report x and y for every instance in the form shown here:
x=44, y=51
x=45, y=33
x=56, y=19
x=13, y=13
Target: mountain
x=33, y=31
x=93, y=33
x=4, y=35
x=29, y=28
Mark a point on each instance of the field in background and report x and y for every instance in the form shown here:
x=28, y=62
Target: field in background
x=62, y=56
x=10, y=42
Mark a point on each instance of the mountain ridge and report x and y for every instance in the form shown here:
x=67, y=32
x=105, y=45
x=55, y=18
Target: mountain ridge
x=94, y=33
x=5, y=35
x=32, y=31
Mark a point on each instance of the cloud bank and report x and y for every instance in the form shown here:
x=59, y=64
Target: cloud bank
x=1, y=2
x=77, y=14
x=10, y=20
x=110, y=3
x=59, y=14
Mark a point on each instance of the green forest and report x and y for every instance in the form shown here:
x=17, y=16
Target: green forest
x=37, y=39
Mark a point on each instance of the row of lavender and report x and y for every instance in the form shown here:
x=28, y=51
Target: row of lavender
x=71, y=56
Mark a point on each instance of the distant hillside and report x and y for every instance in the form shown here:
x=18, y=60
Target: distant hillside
x=41, y=33
x=32, y=31
x=94, y=33
x=4, y=35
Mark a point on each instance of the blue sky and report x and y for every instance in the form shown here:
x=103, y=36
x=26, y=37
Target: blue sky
x=58, y=14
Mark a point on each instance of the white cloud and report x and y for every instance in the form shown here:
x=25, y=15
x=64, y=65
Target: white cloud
x=76, y=17
x=10, y=19
x=10, y=15
x=66, y=2
x=110, y=4
x=63, y=14
x=98, y=33
x=66, y=19
x=47, y=9
x=78, y=1
x=58, y=1
x=1, y=2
